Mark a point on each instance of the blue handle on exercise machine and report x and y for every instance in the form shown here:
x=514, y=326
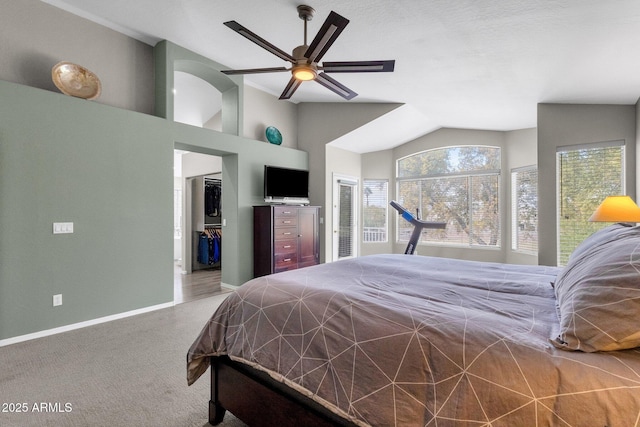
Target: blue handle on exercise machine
x=408, y=216
x=417, y=224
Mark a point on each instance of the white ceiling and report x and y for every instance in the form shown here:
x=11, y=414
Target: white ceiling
x=479, y=64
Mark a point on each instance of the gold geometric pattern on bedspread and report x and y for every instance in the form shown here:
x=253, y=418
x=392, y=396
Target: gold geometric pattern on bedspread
x=400, y=340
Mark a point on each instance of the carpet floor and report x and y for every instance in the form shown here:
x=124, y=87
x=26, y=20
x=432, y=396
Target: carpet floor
x=128, y=372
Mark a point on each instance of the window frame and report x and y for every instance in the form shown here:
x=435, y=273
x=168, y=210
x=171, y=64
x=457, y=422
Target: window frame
x=515, y=220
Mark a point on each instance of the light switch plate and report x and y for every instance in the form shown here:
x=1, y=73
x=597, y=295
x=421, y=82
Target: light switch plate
x=62, y=227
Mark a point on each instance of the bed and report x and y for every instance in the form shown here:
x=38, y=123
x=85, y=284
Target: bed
x=400, y=340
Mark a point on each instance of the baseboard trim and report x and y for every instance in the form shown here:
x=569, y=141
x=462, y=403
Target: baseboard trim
x=228, y=286
x=84, y=324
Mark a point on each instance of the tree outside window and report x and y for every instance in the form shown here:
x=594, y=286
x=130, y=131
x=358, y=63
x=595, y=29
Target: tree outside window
x=457, y=185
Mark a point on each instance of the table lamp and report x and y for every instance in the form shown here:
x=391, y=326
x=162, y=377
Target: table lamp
x=616, y=209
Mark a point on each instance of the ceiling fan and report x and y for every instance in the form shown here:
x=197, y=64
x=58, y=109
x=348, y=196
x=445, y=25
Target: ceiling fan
x=305, y=59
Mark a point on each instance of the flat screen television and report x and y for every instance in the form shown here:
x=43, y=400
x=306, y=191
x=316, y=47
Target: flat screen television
x=285, y=185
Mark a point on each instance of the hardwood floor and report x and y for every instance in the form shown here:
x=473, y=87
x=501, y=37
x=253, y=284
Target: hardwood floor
x=199, y=284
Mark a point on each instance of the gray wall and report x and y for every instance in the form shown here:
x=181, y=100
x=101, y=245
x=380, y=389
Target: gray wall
x=318, y=125
x=521, y=150
x=346, y=164
x=36, y=36
x=262, y=109
x=567, y=124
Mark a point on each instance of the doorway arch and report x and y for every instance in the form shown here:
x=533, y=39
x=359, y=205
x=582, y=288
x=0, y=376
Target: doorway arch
x=169, y=58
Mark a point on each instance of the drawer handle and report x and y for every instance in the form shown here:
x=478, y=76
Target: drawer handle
x=287, y=259
x=286, y=247
x=287, y=233
x=286, y=222
x=286, y=212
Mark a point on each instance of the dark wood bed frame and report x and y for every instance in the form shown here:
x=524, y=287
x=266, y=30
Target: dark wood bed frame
x=258, y=400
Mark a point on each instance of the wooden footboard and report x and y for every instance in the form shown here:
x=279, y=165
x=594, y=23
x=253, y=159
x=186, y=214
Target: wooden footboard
x=258, y=400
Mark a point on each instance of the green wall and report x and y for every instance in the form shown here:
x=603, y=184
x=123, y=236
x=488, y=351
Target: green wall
x=64, y=159
x=110, y=172
x=243, y=163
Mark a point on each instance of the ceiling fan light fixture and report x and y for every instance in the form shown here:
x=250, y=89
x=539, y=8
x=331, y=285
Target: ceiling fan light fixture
x=304, y=73
x=305, y=59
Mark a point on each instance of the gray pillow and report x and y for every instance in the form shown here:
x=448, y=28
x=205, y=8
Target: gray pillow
x=597, y=238
x=598, y=295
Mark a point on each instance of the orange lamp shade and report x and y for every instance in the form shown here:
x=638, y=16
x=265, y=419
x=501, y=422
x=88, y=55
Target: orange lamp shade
x=616, y=209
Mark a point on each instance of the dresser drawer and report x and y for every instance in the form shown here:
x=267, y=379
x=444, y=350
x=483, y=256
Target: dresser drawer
x=284, y=211
x=282, y=262
x=285, y=221
x=285, y=246
x=282, y=233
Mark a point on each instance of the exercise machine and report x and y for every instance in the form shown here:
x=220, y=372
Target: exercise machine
x=418, y=226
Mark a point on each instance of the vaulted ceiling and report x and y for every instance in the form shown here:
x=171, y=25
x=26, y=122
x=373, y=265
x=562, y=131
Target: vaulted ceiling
x=481, y=64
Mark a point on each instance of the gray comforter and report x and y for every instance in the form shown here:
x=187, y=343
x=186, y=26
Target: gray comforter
x=404, y=340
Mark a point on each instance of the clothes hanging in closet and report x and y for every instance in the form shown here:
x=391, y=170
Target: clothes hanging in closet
x=212, y=197
x=210, y=246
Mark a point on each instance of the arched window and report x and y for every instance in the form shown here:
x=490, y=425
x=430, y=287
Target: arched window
x=458, y=185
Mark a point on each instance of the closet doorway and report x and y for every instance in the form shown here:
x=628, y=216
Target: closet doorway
x=197, y=226
x=197, y=212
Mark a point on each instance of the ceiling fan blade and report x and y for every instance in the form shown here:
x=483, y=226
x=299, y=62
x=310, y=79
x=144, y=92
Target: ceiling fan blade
x=259, y=41
x=255, y=70
x=335, y=86
x=359, y=66
x=329, y=32
x=291, y=88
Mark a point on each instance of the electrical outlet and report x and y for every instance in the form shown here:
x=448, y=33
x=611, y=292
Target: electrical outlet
x=57, y=300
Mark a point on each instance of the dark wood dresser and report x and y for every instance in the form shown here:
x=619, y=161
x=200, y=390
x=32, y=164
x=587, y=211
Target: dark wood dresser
x=285, y=238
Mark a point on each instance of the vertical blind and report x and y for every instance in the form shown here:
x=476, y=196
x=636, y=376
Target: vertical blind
x=587, y=174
